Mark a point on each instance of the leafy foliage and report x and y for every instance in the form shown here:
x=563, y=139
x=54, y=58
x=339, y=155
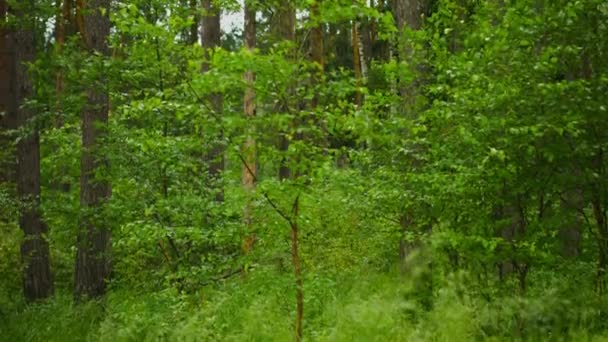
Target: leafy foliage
x=464, y=198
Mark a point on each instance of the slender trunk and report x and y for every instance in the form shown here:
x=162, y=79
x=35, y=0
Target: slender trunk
x=249, y=166
x=284, y=30
x=317, y=56
x=316, y=38
x=194, y=27
x=297, y=270
x=409, y=13
x=357, y=61
x=62, y=28
x=7, y=124
x=211, y=41
x=93, y=245
x=599, y=212
x=37, y=279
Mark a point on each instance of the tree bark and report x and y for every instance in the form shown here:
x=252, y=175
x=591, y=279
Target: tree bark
x=212, y=40
x=357, y=61
x=249, y=172
x=284, y=30
x=93, y=245
x=297, y=270
x=410, y=13
x=7, y=153
x=194, y=27
x=37, y=279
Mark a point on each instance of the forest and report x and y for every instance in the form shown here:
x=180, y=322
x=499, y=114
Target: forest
x=303, y=170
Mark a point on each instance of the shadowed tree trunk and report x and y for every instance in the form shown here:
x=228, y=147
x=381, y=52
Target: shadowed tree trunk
x=317, y=55
x=93, y=245
x=357, y=66
x=408, y=14
x=64, y=27
x=37, y=279
x=284, y=30
x=211, y=40
x=193, y=34
x=7, y=175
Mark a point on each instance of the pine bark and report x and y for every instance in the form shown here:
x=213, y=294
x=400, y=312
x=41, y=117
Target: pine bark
x=284, y=30
x=212, y=40
x=193, y=34
x=7, y=167
x=37, y=279
x=93, y=246
x=249, y=171
x=410, y=14
x=357, y=62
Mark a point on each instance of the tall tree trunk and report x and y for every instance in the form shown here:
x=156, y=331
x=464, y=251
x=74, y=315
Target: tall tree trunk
x=37, y=279
x=317, y=55
x=93, y=245
x=249, y=159
x=409, y=14
x=211, y=40
x=316, y=38
x=599, y=212
x=193, y=34
x=297, y=270
x=64, y=27
x=357, y=61
x=7, y=124
x=284, y=30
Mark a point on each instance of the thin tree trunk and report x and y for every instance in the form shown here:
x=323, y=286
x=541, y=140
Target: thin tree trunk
x=249, y=172
x=410, y=13
x=599, y=212
x=211, y=41
x=284, y=30
x=7, y=99
x=63, y=27
x=93, y=245
x=317, y=54
x=357, y=61
x=37, y=279
x=194, y=27
x=297, y=270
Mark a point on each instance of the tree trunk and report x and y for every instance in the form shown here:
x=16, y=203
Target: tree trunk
x=193, y=34
x=93, y=245
x=599, y=212
x=64, y=27
x=7, y=165
x=357, y=61
x=249, y=148
x=410, y=13
x=37, y=280
x=297, y=270
x=284, y=30
x=316, y=37
x=317, y=55
x=211, y=41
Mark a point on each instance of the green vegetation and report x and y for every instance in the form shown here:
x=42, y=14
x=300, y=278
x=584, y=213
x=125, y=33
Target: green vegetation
x=422, y=170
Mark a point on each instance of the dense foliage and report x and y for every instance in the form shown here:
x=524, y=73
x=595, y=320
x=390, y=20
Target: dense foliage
x=439, y=166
